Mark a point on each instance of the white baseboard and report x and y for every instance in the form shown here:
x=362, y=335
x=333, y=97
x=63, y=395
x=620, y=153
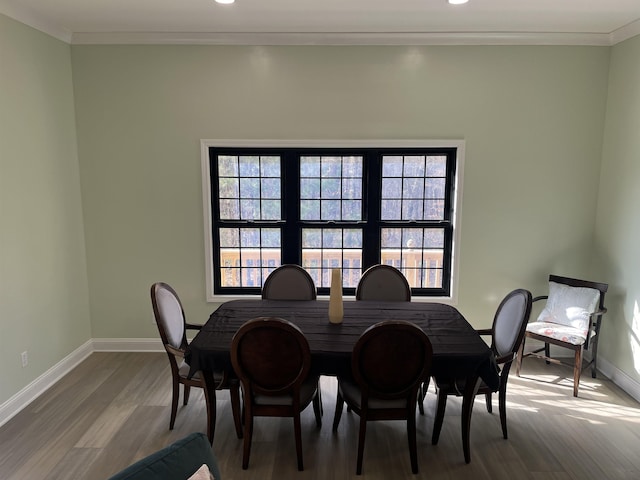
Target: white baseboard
x=621, y=379
x=127, y=345
x=28, y=394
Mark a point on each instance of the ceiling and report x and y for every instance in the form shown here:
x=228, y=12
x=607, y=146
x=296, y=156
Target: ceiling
x=593, y=22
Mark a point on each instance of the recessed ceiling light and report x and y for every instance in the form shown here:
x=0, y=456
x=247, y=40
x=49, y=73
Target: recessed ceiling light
x=457, y=2
x=226, y=2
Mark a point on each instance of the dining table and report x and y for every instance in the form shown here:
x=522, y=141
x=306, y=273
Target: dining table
x=458, y=350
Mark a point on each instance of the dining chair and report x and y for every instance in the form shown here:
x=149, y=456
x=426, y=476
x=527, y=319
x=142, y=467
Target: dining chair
x=383, y=283
x=571, y=319
x=289, y=282
x=271, y=357
x=389, y=362
x=506, y=333
x=172, y=326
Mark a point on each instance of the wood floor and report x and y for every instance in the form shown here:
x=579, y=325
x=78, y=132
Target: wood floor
x=114, y=409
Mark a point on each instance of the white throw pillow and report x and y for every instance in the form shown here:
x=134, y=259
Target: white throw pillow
x=570, y=306
x=203, y=473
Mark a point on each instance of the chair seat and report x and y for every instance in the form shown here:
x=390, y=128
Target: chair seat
x=307, y=390
x=183, y=371
x=564, y=333
x=350, y=392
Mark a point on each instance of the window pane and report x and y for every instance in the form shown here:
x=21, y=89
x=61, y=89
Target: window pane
x=309, y=188
x=227, y=166
x=437, y=166
x=250, y=209
x=391, y=188
x=228, y=188
x=391, y=210
x=434, y=209
x=412, y=210
x=392, y=166
x=351, y=210
x=331, y=188
x=270, y=188
x=270, y=167
x=327, y=248
x=229, y=237
x=330, y=210
x=310, y=209
x=249, y=166
x=310, y=167
x=414, y=166
x=271, y=210
x=229, y=209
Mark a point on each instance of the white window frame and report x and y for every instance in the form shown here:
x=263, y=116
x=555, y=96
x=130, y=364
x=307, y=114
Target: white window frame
x=205, y=144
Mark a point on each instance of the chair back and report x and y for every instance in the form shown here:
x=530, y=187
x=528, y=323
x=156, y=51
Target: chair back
x=384, y=283
x=289, y=282
x=271, y=356
x=169, y=315
x=509, y=324
x=390, y=360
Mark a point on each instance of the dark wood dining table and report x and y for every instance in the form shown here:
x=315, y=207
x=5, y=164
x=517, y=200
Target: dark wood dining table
x=458, y=350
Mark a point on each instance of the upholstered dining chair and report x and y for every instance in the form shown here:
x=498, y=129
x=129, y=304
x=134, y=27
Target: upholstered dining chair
x=271, y=357
x=383, y=283
x=389, y=362
x=506, y=333
x=172, y=326
x=289, y=282
x=571, y=319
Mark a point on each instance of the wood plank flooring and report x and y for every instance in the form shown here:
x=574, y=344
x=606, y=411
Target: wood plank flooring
x=114, y=408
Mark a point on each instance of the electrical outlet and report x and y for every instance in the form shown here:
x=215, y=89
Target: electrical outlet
x=24, y=356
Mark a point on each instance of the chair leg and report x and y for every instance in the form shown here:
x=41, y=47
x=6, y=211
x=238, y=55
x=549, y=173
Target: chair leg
x=421, y=394
x=248, y=433
x=437, y=422
x=317, y=408
x=594, y=356
x=487, y=399
x=298, y=435
x=174, y=402
x=338, y=414
x=234, y=394
x=519, y=356
x=502, y=407
x=577, y=369
x=361, y=437
x=413, y=448
x=187, y=391
x=547, y=352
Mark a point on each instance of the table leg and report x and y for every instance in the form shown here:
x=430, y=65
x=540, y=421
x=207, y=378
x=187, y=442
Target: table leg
x=210, y=399
x=470, y=391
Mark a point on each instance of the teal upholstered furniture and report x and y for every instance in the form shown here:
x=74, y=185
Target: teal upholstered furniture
x=177, y=461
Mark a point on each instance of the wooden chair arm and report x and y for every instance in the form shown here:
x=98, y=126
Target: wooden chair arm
x=540, y=297
x=192, y=326
x=174, y=351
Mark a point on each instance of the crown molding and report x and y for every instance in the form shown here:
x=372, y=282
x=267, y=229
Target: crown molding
x=341, y=38
x=624, y=33
x=30, y=19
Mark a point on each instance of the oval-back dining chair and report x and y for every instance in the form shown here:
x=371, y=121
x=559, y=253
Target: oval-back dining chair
x=383, y=283
x=389, y=362
x=271, y=357
x=507, y=333
x=172, y=326
x=289, y=282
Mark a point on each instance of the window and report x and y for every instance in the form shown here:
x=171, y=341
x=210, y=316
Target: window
x=327, y=206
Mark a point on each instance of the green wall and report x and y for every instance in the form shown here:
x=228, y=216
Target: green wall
x=618, y=220
x=44, y=298
x=532, y=119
